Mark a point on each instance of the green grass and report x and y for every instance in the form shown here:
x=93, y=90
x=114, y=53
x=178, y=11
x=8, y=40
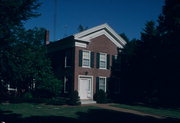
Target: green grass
x=174, y=113
x=36, y=113
x=28, y=110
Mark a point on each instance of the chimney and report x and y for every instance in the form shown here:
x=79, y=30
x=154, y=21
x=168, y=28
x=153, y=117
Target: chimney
x=46, y=42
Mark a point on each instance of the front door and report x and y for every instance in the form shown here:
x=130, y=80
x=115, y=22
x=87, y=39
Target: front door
x=85, y=88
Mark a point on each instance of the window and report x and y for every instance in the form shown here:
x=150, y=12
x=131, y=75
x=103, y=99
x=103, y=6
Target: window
x=68, y=59
x=65, y=61
x=65, y=84
x=115, y=57
x=102, y=83
x=86, y=59
x=102, y=60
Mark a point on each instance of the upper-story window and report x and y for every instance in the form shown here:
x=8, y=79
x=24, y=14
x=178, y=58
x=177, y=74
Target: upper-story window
x=86, y=58
x=68, y=59
x=102, y=61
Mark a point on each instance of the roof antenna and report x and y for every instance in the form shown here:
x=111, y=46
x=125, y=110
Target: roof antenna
x=55, y=16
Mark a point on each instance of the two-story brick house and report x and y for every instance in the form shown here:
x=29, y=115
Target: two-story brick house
x=83, y=61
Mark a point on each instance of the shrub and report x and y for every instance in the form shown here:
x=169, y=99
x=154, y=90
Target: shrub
x=27, y=96
x=42, y=93
x=57, y=101
x=100, y=96
x=74, y=98
x=48, y=86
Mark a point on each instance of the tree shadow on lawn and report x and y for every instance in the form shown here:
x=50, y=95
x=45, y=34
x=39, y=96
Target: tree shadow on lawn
x=93, y=115
x=9, y=117
x=104, y=115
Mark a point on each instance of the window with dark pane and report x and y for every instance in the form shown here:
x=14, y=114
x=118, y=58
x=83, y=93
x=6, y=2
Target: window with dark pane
x=102, y=83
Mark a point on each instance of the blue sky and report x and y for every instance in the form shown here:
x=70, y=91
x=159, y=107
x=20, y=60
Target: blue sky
x=124, y=16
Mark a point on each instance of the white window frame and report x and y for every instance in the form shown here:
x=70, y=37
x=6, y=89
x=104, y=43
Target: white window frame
x=65, y=61
x=115, y=57
x=103, y=61
x=11, y=89
x=65, y=83
x=105, y=78
x=89, y=58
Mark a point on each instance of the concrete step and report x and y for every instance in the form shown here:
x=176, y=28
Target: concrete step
x=87, y=101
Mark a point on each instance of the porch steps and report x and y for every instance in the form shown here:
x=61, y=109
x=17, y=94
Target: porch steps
x=87, y=101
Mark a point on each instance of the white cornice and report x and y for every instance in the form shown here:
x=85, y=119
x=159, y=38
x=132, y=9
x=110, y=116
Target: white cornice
x=103, y=29
x=80, y=44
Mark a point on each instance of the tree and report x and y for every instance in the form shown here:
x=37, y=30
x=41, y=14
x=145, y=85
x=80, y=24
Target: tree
x=82, y=28
x=149, y=68
x=23, y=60
x=29, y=65
x=149, y=31
x=123, y=35
x=169, y=28
x=12, y=15
x=169, y=19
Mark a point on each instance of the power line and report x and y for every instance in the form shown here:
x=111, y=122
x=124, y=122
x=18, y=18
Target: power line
x=55, y=17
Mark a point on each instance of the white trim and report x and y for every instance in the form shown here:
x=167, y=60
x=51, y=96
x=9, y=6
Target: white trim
x=86, y=76
x=11, y=89
x=65, y=61
x=65, y=83
x=105, y=81
x=89, y=59
x=79, y=44
x=105, y=29
x=115, y=57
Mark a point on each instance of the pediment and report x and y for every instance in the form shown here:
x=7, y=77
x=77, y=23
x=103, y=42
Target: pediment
x=103, y=29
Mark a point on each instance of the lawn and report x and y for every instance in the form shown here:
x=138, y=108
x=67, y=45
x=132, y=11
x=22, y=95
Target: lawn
x=30, y=109
x=169, y=112
x=37, y=113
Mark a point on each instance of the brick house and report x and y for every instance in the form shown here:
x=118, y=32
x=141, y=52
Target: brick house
x=83, y=60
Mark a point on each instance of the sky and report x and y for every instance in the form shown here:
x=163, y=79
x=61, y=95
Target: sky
x=62, y=17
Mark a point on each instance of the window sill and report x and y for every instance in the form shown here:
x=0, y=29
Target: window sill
x=103, y=68
x=86, y=67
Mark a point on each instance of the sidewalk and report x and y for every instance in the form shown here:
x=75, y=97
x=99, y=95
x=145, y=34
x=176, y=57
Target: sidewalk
x=107, y=106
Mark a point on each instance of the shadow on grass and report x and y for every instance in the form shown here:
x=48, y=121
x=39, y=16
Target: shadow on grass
x=9, y=117
x=93, y=115
x=104, y=115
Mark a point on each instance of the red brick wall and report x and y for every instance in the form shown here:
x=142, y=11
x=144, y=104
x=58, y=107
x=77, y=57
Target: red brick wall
x=98, y=44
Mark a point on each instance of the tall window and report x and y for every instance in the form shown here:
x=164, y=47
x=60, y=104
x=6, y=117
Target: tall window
x=65, y=84
x=68, y=59
x=102, y=83
x=86, y=58
x=103, y=61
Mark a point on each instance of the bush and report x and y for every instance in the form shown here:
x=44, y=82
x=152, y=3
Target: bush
x=74, y=98
x=27, y=95
x=43, y=93
x=49, y=86
x=100, y=96
x=57, y=101
x=3, y=91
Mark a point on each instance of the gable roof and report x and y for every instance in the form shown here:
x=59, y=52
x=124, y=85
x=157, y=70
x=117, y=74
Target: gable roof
x=103, y=29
